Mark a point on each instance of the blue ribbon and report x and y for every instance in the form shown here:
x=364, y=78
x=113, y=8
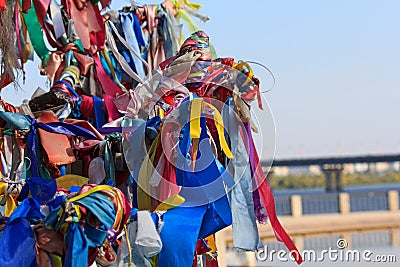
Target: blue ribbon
x=17, y=242
x=127, y=23
x=42, y=189
x=240, y=196
x=205, y=210
x=78, y=246
x=98, y=112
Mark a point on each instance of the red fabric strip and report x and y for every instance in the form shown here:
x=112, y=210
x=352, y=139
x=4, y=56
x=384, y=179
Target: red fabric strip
x=98, y=38
x=269, y=204
x=112, y=110
x=2, y=4
x=5, y=80
x=26, y=5
x=109, y=87
x=41, y=7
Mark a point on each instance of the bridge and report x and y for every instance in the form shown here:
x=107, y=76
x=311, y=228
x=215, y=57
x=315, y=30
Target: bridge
x=377, y=226
x=332, y=167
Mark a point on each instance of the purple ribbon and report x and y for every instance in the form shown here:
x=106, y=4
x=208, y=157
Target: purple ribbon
x=108, y=130
x=112, y=235
x=261, y=216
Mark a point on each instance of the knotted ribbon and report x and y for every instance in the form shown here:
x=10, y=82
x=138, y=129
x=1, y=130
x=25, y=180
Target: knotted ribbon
x=24, y=122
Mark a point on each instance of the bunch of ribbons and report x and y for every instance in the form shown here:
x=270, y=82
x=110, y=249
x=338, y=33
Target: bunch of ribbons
x=142, y=149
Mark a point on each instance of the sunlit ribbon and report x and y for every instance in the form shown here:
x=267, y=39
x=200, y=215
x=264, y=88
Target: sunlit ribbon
x=195, y=129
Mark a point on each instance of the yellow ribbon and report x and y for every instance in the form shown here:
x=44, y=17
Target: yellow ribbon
x=10, y=203
x=56, y=261
x=211, y=243
x=194, y=6
x=145, y=172
x=75, y=71
x=195, y=129
x=220, y=129
x=128, y=243
x=195, y=114
x=160, y=112
x=182, y=3
x=98, y=188
x=192, y=27
x=240, y=66
x=171, y=202
x=69, y=180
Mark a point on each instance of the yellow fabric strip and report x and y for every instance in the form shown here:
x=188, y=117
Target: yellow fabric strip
x=145, y=172
x=193, y=6
x=195, y=148
x=192, y=27
x=211, y=243
x=56, y=261
x=10, y=206
x=69, y=180
x=171, y=202
x=195, y=114
x=160, y=112
x=75, y=71
x=91, y=191
x=143, y=189
x=10, y=203
x=219, y=124
x=78, y=211
x=128, y=243
x=104, y=188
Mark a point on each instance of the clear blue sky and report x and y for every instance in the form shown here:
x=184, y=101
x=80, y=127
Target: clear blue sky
x=336, y=63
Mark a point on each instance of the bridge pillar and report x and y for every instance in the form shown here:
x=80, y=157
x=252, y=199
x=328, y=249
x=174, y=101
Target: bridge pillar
x=339, y=182
x=333, y=171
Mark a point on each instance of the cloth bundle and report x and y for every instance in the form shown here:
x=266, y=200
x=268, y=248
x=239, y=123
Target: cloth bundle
x=141, y=150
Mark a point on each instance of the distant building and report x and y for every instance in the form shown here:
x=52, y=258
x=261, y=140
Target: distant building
x=281, y=171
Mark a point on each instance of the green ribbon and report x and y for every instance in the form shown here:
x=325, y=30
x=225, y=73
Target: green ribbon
x=36, y=34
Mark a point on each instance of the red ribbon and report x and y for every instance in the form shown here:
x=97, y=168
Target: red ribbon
x=109, y=87
x=269, y=204
x=26, y=5
x=2, y=4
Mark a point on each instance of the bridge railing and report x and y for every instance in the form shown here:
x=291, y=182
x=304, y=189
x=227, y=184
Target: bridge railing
x=376, y=223
x=298, y=205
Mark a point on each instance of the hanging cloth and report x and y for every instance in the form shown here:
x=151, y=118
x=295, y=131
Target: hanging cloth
x=35, y=33
x=206, y=208
x=18, y=238
x=268, y=200
x=240, y=195
x=156, y=53
x=127, y=22
x=57, y=146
